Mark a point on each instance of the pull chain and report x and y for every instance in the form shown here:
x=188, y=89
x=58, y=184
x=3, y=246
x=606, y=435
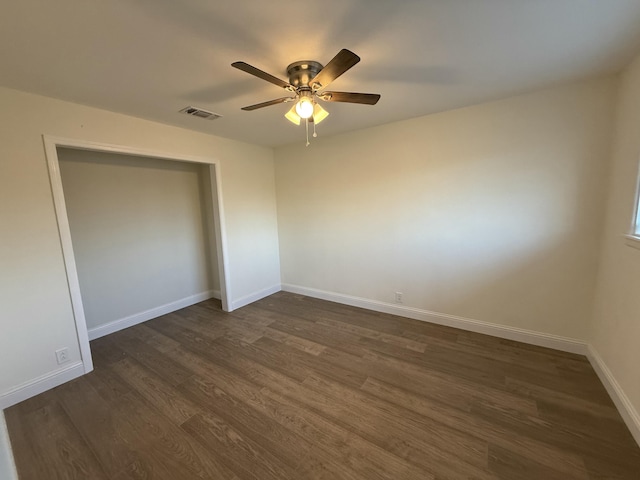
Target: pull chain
x=307, y=126
x=315, y=135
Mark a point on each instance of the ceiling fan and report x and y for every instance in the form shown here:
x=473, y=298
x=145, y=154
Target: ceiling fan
x=307, y=81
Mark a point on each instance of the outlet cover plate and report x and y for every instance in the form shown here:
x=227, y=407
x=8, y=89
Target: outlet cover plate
x=62, y=355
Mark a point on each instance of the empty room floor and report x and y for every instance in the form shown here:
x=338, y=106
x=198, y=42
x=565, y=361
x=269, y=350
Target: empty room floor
x=293, y=387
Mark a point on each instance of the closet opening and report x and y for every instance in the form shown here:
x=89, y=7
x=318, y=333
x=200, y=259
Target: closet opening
x=142, y=234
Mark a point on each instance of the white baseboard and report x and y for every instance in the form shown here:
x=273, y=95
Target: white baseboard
x=41, y=384
x=623, y=404
x=254, y=297
x=137, y=318
x=511, y=333
x=7, y=465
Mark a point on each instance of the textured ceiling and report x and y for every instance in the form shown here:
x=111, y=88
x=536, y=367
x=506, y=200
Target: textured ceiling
x=150, y=58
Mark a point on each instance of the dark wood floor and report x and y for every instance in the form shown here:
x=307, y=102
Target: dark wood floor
x=297, y=388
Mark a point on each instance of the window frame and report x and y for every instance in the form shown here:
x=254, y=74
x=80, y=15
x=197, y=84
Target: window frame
x=633, y=237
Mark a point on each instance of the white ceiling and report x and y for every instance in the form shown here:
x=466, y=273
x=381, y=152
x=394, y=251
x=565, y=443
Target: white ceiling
x=150, y=58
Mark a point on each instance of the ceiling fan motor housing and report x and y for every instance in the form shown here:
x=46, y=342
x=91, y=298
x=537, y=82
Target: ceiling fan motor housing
x=302, y=72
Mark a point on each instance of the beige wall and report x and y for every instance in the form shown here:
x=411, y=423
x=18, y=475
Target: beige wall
x=616, y=328
x=139, y=231
x=491, y=212
x=35, y=313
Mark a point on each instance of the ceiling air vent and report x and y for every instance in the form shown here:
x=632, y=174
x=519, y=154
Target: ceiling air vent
x=199, y=112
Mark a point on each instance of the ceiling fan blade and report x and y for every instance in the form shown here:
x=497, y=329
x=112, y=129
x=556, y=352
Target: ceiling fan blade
x=245, y=67
x=268, y=104
x=343, y=61
x=350, y=97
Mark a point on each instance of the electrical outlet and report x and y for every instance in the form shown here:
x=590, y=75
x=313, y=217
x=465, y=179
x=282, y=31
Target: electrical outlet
x=398, y=297
x=62, y=355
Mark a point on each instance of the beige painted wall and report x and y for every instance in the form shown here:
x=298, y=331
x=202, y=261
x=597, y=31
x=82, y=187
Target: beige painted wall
x=616, y=328
x=35, y=309
x=491, y=212
x=139, y=231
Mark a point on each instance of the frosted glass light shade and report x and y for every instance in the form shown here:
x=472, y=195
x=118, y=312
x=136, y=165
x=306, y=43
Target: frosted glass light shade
x=319, y=113
x=292, y=116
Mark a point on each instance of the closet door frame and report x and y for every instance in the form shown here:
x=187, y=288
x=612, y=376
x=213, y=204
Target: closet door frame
x=51, y=145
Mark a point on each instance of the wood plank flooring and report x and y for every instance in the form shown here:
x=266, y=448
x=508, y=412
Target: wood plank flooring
x=292, y=387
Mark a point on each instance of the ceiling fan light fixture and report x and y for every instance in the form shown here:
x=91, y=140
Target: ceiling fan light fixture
x=304, y=107
x=319, y=114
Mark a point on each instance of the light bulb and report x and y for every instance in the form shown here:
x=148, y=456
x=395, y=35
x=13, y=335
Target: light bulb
x=304, y=107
